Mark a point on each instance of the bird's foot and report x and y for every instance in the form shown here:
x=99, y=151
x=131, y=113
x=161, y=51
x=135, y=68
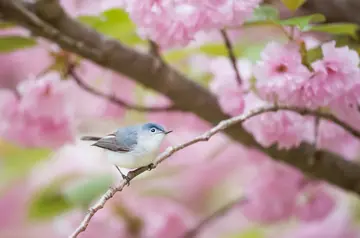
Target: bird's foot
x=151, y=166
x=123, y=176
x=127, y=179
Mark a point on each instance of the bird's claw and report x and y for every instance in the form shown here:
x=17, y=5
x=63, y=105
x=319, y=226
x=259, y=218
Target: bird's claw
x=127, y=179
x=151, y=166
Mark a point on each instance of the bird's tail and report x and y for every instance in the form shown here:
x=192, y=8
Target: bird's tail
x=90, y=138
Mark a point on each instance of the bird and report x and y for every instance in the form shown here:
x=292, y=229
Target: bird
x=131, y=147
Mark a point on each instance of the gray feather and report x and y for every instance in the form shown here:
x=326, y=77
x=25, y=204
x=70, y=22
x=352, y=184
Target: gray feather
x=123, y=140
x=90, y=138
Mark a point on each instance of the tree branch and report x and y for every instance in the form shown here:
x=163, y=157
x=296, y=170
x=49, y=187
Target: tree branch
x=47, y=19
x=334, y=10
x=204, y=137
x=111, y=98
x=231, y=54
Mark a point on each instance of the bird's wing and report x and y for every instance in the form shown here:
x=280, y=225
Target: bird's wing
x=127, y=137
x=90, y=138
x=109, y=142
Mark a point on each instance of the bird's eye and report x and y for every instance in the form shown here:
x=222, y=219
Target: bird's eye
x=152, y=130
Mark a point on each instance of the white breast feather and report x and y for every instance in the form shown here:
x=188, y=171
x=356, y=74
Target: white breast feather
x=143, y=154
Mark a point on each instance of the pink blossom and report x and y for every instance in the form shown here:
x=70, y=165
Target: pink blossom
x=199, y=152
x=89, y=106
x=160, y=217
x=336, y=225
x=346, y=107
x=288, y=129
x=317, y=203
x=174, y=120
x=172, y=225
x=192, y=174
x=17, y=65
x=193, y=184
x=278, y=192
x=120, y=87
x=233, y=222
x=41, y=117
x=226, y=87
x=172, y=23
x=280, y=72
x=12, y=204
x=271, y=196
x=223, y=12
x=105, y=223
x=75, y=159
x=253, y=102
x=334, y=138
x=89, y=7
x=333, y=76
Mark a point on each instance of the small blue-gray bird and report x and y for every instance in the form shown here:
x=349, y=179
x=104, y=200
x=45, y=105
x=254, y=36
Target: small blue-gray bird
x=131, y=147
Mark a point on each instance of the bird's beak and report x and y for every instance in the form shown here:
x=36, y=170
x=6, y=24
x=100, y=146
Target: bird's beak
x=167, y=132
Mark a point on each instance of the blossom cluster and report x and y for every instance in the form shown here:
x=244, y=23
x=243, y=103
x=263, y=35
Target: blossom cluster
x=281, y=78
x=175, y=23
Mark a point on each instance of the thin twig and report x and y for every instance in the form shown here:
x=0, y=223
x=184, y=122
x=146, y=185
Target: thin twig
x=154, y=49
x=320, y=115
x=171, y=150
x=316, y=131
x=218, y=213
x=316, y=136
x=231, y=54
x=82, y=84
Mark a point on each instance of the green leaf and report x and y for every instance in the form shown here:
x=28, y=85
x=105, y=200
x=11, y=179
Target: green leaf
x=17, y=161
x=314, y=54
x=84, y=191
x=175, y=55
x=6, y=25
x=90, y=20
x=253, y=232
x=12, y=43
x=303, y=22
x=114, y=23
x=264, y=13
x=338, y=29
x=49, y=202
x=293, y=5
x=252, y=52
x=213, y=49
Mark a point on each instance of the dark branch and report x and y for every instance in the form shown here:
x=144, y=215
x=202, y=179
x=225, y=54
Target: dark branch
x=88, y=88
x=335, y=11
x=231, y=54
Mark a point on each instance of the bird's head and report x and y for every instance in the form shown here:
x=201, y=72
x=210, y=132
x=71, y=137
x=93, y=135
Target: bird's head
x=152, y=134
